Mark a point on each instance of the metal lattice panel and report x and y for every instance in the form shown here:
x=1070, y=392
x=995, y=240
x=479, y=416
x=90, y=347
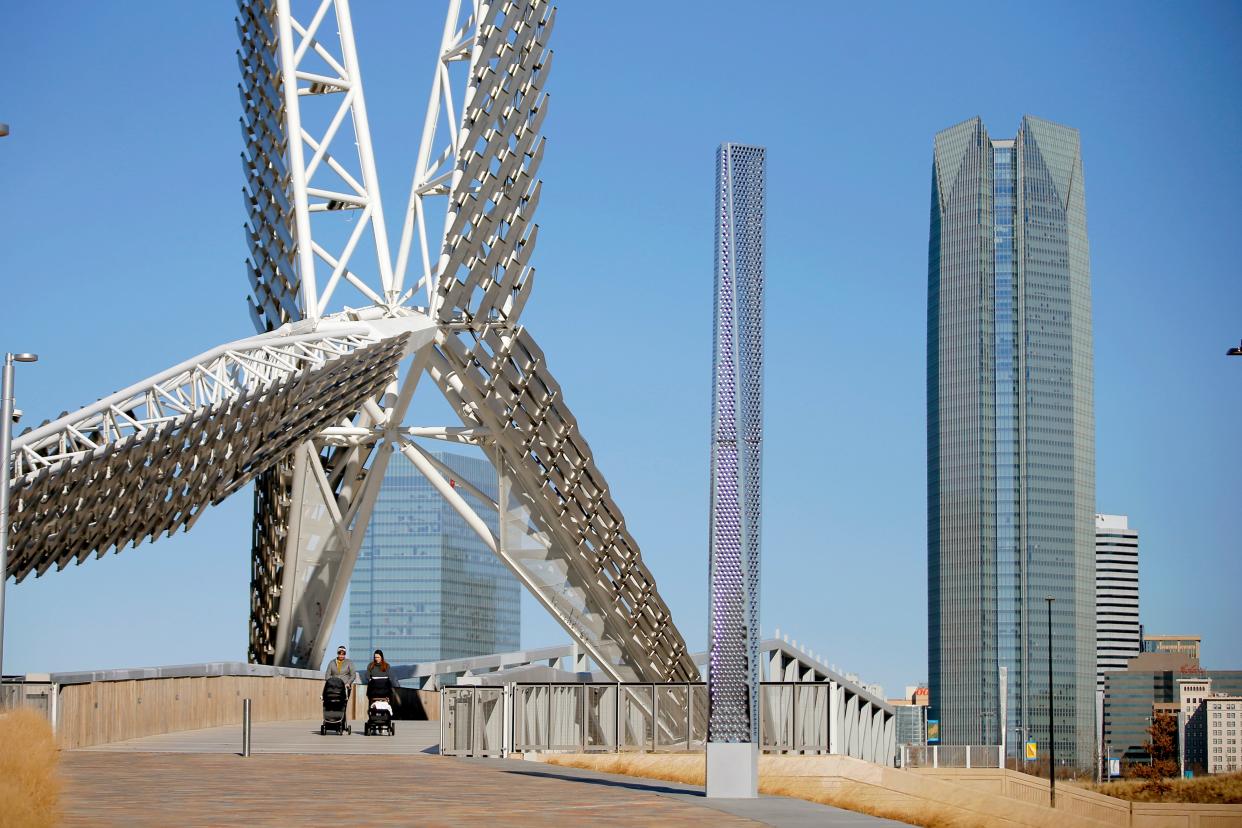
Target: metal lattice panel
x=500, y=382
x=484, y=275
x=149, y=459
x=269, y=213
x=737, y=439
x=272, y=496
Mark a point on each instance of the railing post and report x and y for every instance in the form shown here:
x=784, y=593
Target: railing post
x=616, y=721
x=689, y=709
x=935, y=756
x=245, y=727
x=794, y=740
x=968, y=747
x=655, y=718
x=506, y=721
x=474, y=722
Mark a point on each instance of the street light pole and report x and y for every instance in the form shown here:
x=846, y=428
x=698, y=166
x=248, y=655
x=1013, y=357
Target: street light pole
x=1052, y=733
x=6, y=466
x=1231, y=352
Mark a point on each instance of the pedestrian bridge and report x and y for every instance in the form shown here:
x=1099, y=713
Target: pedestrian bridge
x=524, y=702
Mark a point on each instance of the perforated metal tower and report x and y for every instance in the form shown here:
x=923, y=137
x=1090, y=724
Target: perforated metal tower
x=736, y=471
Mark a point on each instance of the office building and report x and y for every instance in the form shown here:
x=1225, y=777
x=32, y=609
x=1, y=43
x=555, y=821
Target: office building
x=1118, y=633
x=1011, y=438
x=1149, y=685
x=1224, y=727
x=1192, y=723
x=1185, y=645
x=425, y=587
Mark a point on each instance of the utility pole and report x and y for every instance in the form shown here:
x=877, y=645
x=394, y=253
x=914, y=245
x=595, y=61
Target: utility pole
x=1052, y=733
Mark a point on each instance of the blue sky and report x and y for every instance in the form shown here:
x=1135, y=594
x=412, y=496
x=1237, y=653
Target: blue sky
x=121, y=252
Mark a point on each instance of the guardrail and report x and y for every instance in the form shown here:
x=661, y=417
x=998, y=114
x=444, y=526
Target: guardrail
x=96, y=707
x=950, y=756
x=795, y=717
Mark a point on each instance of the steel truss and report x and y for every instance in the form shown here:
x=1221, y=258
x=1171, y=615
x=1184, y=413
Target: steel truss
x=319, y=257
x=148, y=459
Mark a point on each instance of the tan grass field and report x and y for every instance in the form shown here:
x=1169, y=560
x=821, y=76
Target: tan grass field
x=29, y=784
x=1225, y=789
x=691, y=769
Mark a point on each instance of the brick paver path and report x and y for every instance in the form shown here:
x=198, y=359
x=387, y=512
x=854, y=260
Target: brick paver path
x=205, y=789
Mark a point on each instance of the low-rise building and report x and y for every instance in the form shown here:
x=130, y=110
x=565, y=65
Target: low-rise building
x=911, y=716
x=1149, y=685
x=1192, y=725
x=1223, y=721
x=1186, y=645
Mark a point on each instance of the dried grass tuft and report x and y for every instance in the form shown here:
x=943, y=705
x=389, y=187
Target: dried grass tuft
x=29, y=784
x=691, y=769
x=1224, y=789
x=923, y=813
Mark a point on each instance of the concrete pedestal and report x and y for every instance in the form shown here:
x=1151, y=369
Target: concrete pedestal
x=732, y=770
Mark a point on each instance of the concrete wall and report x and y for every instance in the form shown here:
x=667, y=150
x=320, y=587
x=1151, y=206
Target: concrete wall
x=110, y=711
x=1079, y=803
x=1033, y=790
x=865, y=783
x=1161, y=815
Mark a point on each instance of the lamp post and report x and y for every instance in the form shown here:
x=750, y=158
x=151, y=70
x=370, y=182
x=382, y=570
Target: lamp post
x=6, y=466
x=1231, y=352
x=1052, y=733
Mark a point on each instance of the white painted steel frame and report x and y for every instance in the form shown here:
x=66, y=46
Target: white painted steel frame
x=481, y=146
x=148, y=459
x=491, y=150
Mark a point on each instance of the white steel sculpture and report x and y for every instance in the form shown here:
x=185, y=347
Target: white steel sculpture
x=318, y=432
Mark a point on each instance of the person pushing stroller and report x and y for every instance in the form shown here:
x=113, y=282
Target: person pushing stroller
x=380, y=696
x=338, y=682
x=342, y=668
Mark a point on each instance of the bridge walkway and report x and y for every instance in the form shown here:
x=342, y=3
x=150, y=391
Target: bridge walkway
x=297, y=777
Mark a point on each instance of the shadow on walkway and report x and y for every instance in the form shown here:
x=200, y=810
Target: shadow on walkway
x=636, y=785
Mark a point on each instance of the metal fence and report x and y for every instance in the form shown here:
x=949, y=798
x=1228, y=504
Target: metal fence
x=39, y=696
x=611, y=718
x=950, y=756
x=472, y=721
x=645, y=718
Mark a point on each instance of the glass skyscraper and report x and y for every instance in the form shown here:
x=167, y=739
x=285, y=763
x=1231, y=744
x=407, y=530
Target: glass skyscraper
x=425, y=587
x=1010, y=439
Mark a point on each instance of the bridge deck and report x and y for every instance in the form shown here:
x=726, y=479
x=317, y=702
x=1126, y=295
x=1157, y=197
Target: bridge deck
x=296, y=776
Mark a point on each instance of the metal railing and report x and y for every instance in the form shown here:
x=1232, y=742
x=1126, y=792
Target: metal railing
x=39, y=696
x=626, y=717
x=472, y=721
x=646, y=718
x=950, y=756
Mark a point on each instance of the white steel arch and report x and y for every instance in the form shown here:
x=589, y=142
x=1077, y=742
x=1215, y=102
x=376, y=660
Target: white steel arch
x=319, y=263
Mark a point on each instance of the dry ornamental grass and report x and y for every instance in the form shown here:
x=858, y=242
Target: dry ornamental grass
x=29, y=785
x=1225, y=789
x=692, y=770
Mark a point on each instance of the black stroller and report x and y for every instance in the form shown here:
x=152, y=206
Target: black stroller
x=379, y=706
x=335, y=697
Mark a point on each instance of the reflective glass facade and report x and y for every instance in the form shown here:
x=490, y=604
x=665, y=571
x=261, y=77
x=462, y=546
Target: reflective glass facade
x=425, y=587
x=1011, y=442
